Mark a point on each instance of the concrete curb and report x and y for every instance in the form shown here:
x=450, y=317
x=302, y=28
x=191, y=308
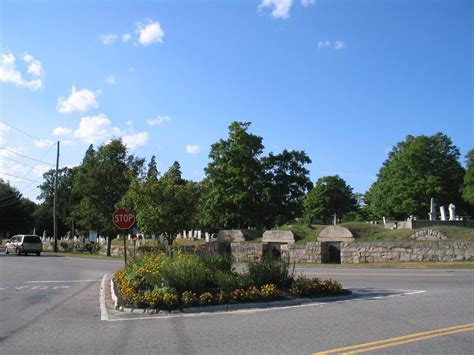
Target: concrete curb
x=112, y=293
x=230, y=306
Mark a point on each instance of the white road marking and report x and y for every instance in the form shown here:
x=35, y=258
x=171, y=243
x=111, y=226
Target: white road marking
x=58, y=281
x=258, y=310
x=103, y=309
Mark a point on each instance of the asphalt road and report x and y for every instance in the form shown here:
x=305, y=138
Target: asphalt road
x=51, y=305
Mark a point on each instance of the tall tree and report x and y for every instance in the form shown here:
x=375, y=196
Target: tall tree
x=468, y=185
x=416, y=170
x=234, y=178
x=165, y=205
x=331, y=195
x=65, y=201
x=16, y=212
x=101, y=181
x=286, y=183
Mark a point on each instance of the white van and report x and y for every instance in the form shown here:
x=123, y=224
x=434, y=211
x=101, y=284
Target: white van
x=24, y=244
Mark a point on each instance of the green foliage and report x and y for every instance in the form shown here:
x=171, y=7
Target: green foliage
x=64, y=202
x=87, y=247
x=166, y=204
x=468, y=185
x=244, y=189
x=221, y=262
x=416, y=170
x=305, y=287
x=330, y=196
x=16, y=212
x=271, y=271
x=229, y=280
x=234, y=178
x=186, y=272
x=286, y=183
x=100, y=183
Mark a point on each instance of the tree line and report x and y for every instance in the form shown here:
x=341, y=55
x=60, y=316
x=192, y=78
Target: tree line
x=242, y=188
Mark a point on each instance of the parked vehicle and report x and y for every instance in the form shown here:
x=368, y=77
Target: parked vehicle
x=24, y=244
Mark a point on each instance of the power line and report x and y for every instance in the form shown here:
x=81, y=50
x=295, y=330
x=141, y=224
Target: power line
x=25, y=156
x=19, y=162
x=19, y=177
x=26, y=133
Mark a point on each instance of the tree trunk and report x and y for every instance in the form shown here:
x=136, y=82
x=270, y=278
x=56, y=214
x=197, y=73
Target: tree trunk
x=109, y=246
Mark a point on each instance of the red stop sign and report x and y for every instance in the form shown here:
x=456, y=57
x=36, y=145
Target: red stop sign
x=123, y=219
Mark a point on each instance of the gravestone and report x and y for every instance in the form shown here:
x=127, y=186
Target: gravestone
x=442, y=212
x=452, y=212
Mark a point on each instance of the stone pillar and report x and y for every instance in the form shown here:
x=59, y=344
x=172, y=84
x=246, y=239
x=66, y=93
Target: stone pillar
x=442, y=212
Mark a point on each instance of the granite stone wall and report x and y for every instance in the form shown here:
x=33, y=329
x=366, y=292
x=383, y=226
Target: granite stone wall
x=309, y=253
x=244, y=252
x=386, y=252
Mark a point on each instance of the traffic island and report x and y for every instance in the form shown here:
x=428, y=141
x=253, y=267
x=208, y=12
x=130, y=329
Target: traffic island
x=192, y=283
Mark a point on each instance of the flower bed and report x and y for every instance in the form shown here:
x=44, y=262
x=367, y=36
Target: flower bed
x=160, y=282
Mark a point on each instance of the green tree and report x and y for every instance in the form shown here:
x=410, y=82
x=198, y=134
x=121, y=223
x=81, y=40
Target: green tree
x=16, y=212
x=416, y=170
x=331, y=195
x=166, y=204
x=468, y=185
x=234, y=180
x=64, y=201
x=286, y=183
x=100, y=183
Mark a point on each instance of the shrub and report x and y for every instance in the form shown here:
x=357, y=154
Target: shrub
x=271, y=271
x=144, y=272
x=206, y=299
x=268, y=291
x=228, y=281
x=222, y=262
x=253, y=294
x=221, y=297
x=238, y=295
x=304, y=287
x=188, y=298
x=185, y=273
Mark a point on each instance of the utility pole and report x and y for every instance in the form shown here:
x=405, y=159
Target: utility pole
x=55, y=222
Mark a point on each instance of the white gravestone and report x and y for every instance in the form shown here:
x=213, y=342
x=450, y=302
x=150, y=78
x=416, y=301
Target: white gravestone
x=432, y=213
x=442, y=212
x=452, y=212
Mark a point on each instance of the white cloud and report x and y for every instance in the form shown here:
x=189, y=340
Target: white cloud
x=126, y=37
x=108, y=38
x=280, y=8
x=35, y=68
x=93, y=129
x=324, y=44
x=10, y=74
x=193, y=148
x=134, y=140
x=43, y=143
x=111, y=80
x=149, y=32
x=339, y=45
x=327, y=44
x=158, y=120
x=81, y=101
x=61, y=131
x=307, y=3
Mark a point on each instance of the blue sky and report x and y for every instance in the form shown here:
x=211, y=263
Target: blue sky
x=342, y=80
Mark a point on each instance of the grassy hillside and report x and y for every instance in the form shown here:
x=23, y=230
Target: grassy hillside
x=372, y=232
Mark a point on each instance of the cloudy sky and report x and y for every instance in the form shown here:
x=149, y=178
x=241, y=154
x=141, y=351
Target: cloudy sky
x=342, y=80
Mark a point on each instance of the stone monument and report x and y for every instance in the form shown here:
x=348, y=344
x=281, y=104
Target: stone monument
x=442, y=212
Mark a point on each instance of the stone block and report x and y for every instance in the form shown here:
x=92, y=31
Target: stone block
x=272, y=236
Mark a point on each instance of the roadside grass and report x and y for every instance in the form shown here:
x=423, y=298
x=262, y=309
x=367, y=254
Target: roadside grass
x=82, y=255
x=400, y=265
